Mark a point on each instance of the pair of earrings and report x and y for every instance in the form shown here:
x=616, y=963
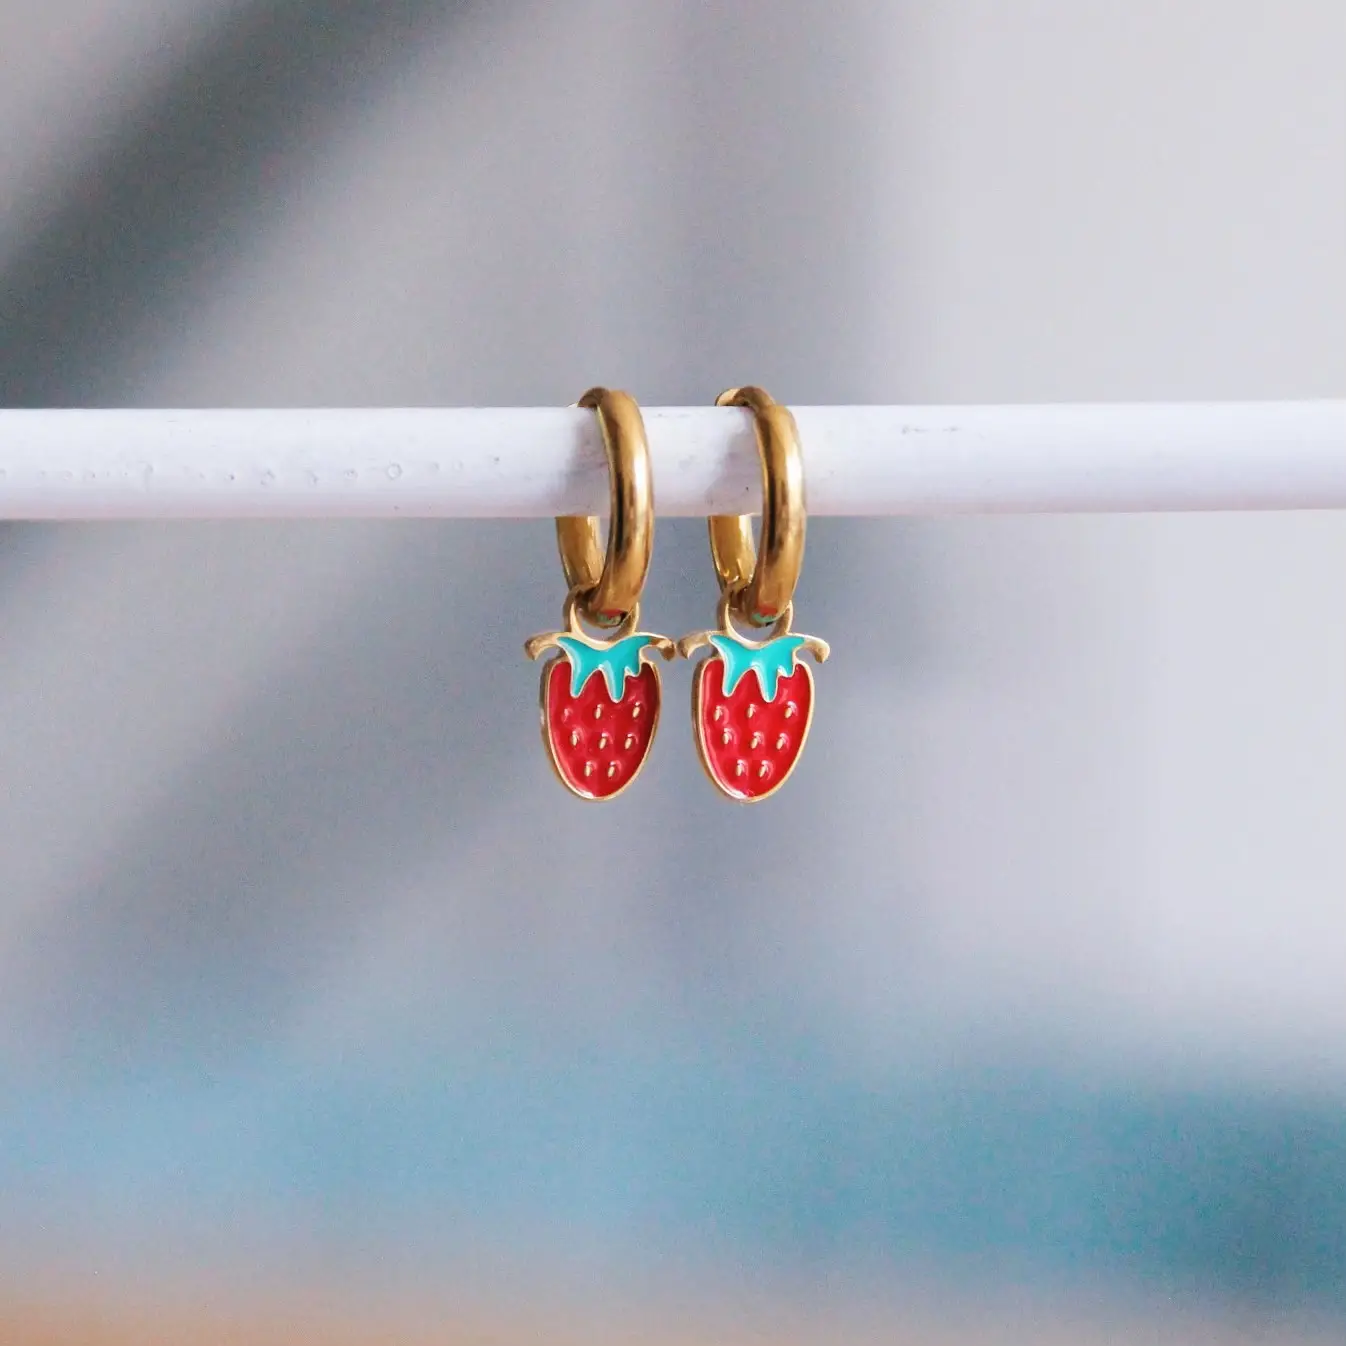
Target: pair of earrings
x=752, y=701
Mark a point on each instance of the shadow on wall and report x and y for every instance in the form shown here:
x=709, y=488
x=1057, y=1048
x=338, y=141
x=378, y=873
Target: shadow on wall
x=183, y=187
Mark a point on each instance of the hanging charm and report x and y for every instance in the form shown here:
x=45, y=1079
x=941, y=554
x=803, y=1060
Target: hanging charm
x=752, y=705
x=600, y=703
x=600, y=697
x=752, y=700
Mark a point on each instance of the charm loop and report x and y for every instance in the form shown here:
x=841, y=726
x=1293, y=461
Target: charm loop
x=608, y=587
x=761, y=586
x=570, y=616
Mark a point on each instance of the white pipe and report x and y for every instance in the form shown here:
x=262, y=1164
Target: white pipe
x=531, y=463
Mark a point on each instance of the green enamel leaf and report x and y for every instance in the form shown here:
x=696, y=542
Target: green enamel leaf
x=616, y=661
x=772, y=661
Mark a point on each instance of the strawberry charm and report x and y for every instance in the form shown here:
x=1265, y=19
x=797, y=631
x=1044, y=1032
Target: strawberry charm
x=752, y=705
x=752, y=700
x=600, y=705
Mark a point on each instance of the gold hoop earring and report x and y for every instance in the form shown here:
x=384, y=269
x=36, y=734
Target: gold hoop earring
x=752, y=701
x=600, y=698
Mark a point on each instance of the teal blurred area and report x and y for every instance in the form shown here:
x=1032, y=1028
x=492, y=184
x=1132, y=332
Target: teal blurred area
x=740, y=1149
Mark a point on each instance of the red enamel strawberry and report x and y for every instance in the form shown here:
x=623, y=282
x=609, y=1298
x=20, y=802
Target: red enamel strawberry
x=600, y=708
x=752, y=704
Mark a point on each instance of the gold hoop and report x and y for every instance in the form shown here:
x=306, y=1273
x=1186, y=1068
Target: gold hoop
x=760, y=587
x=607, y=588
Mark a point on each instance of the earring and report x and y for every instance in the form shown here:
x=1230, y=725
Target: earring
x=752, y=701
x=600, y=698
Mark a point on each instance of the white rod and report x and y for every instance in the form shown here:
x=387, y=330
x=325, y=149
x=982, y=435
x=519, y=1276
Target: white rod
x=535, y=462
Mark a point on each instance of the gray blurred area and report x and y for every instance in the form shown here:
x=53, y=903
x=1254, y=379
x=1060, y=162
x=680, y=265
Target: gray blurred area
x=1033, y=974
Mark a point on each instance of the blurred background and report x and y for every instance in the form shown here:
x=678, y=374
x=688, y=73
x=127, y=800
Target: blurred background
x=1020, y=1014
